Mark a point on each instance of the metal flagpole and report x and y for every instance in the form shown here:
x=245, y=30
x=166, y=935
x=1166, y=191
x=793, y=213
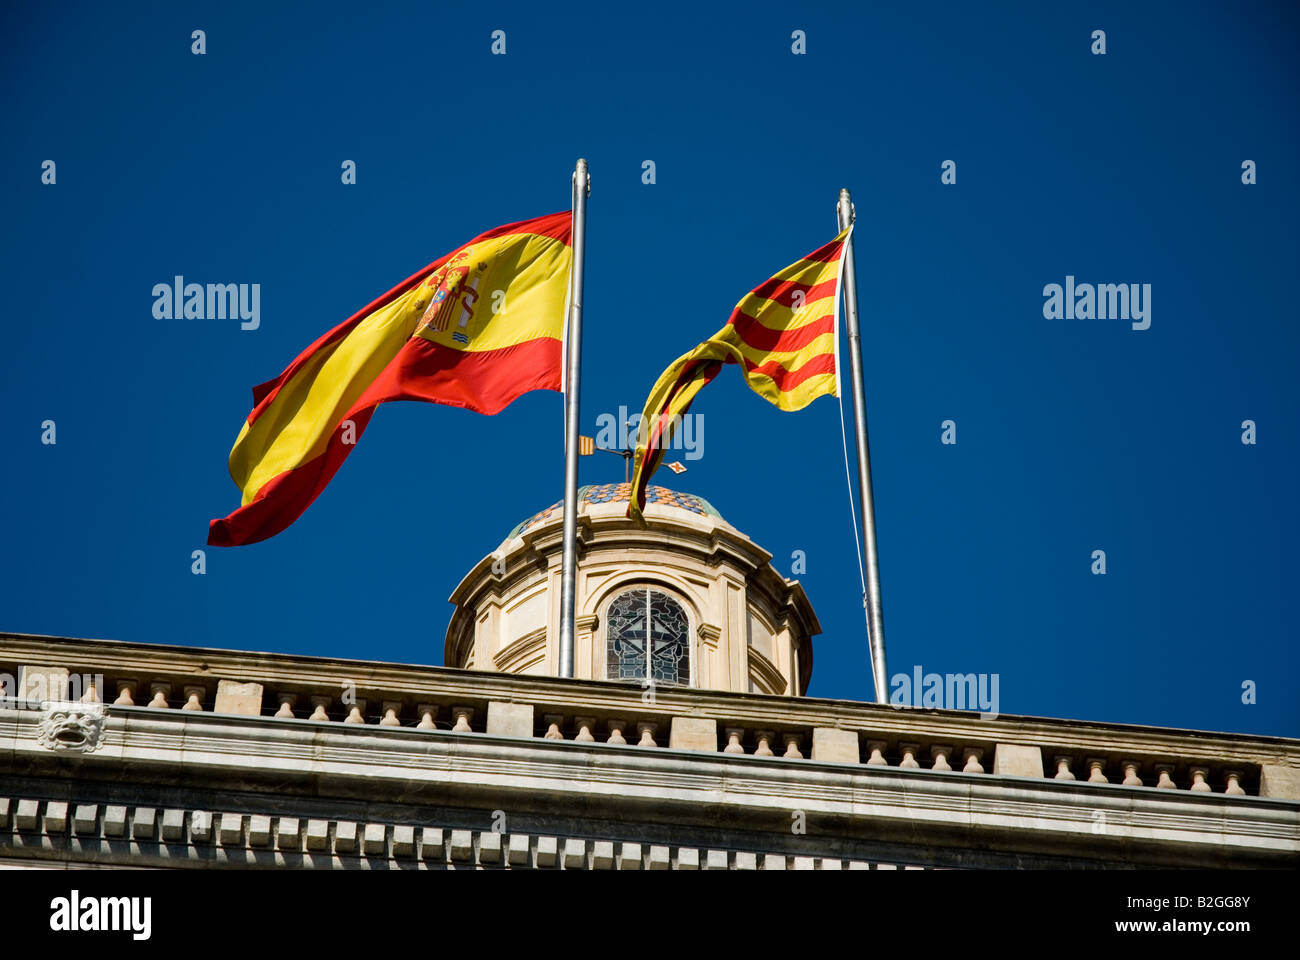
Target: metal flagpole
x=573, y=360
x=871, y=599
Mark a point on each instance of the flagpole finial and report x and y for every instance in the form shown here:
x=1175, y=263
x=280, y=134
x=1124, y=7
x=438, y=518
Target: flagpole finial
x=847, y=211
x=580, y=170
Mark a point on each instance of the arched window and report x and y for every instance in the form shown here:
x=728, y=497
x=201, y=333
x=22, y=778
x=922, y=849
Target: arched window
x=669, y=656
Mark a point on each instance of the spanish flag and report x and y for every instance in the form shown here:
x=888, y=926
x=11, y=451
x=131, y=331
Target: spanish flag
x=473, y=329
x=784, y=335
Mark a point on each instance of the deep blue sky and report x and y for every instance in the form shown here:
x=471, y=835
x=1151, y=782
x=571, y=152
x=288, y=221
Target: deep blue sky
x=1072, y=435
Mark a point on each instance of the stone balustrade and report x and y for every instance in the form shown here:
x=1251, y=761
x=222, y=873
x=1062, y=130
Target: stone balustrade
x=284, y=688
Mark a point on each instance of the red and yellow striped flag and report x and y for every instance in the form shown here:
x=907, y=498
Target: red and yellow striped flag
x=783, y=334
x=473, y=329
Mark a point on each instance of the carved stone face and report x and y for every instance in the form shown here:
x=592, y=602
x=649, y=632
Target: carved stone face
x=77, y=727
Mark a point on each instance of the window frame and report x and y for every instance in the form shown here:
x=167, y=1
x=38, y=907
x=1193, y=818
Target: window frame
x=646, y=588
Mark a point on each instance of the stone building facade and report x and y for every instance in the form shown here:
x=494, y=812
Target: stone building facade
x=684, y=742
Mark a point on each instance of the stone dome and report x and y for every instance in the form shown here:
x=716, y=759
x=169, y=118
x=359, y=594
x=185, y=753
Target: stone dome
x=722, y=617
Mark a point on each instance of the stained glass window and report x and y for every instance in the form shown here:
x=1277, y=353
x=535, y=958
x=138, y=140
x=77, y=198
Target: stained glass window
x=665, y=656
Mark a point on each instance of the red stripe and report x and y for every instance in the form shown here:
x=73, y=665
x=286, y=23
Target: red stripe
x=557, y=226
x=423, y=370
x=787, y=380
x=782, y=291
x=826, y=253
x=483, y=381
x=283, y=499
x=554, y=225
x=688, y=374
x=765, y=338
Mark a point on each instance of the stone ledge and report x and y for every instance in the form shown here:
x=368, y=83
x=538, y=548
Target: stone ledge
x=216, y=746
x=663, y=786
x=409, y=685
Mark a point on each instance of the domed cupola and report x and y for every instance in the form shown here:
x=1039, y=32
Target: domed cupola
x=719, y=614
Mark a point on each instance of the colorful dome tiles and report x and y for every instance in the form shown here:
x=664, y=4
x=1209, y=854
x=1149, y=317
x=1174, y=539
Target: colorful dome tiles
x=621, y=493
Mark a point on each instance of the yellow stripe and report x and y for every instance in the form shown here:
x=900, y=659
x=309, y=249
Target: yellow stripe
x=790, y=359
x=818, y=385
x=297, y=425
x=753, y=304
x=781, y=317
x=808, y=271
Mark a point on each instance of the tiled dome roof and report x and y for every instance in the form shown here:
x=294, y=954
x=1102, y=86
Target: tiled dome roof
x=621, y=493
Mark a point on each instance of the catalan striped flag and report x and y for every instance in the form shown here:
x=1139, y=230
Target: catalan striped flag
x=474, y=329
x=784, y=336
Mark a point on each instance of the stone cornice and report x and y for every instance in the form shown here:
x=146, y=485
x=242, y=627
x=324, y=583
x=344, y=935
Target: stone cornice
x=295, y=764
